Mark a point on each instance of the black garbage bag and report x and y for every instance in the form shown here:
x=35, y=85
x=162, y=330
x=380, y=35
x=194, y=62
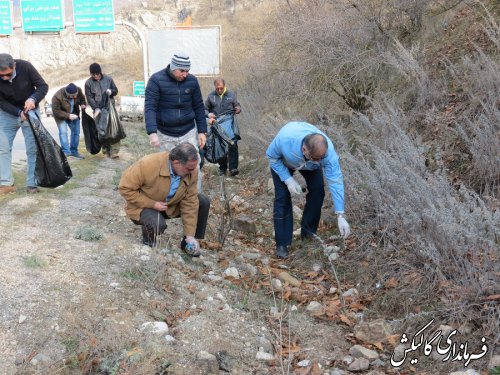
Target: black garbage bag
x=101, y=123
x=217, y=145
x=109, y=127
x=92, y=143
x=52, y=167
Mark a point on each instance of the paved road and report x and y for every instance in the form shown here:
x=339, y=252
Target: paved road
x=19, y=149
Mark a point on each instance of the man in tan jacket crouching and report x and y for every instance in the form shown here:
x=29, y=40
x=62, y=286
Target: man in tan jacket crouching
x=163, y=186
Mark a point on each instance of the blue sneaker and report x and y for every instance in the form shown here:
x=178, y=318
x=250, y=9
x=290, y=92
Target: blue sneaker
x=78, y=156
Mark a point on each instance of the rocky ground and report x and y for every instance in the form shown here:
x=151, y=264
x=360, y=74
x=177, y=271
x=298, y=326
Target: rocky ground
x=80, y=294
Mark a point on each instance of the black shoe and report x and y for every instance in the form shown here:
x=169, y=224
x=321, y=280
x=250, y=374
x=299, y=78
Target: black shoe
x=306, y=236
x=282, y=252
x=234, y=172
x=148, y=242
x=32, y=190
x=222, y=172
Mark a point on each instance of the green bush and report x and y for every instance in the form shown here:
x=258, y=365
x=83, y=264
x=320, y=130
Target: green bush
x=88, y=234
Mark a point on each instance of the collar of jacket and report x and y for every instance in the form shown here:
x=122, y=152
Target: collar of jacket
x=223, y=92
x=169, y=73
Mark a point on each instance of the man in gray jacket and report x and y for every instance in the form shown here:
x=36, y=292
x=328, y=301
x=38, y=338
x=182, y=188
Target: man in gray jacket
x=222, y=105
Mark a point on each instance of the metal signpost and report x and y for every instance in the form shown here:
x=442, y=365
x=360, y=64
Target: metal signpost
x=42, y=15
x=93, y=16
x=5, y=18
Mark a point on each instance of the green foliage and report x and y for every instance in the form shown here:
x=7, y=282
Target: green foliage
x=34, y=261
x=131, y=275
x=114, y=365
x=87, y=233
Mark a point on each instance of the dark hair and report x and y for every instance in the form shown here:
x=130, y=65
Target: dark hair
x=219, y=80
x=183, y=152
x=95, y=68
x=315, y=141
x=6, y=61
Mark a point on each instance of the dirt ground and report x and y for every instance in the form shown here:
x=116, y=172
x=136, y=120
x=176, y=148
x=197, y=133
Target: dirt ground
x=77, y=305
x=78, y=290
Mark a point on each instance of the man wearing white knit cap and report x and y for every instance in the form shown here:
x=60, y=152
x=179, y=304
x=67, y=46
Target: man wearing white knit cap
x=173, y=109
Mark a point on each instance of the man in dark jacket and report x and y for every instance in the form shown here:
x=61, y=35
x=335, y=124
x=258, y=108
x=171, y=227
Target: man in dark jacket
x=66, y=104
x=97, y=88
x=173, y=106
x=222, y=105
x=21, y=90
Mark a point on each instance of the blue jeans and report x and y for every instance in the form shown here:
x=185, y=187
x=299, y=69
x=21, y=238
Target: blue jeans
x=70, y=148
x=283, y=211
x=9, y=125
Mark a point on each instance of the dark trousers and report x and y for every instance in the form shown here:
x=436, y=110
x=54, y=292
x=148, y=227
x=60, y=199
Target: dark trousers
x=283, y=212
x=202, y=157
x=154, y=222
x=231, y=157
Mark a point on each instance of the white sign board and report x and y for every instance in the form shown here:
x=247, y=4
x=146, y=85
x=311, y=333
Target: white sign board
x=201, y=43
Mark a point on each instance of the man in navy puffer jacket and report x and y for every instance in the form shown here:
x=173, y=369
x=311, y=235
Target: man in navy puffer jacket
x=173, y=107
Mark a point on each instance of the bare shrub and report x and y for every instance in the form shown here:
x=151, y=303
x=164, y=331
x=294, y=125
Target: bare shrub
x=481, y=135
x=491, y=26
x=445, y=235
x=406, y=62
x=319, y=49
x=479, y=125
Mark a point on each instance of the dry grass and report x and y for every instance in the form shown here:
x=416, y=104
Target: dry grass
x=424, y=243
x=418, y=162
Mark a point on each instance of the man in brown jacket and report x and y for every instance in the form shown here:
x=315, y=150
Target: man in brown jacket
x=163, y=186
x=66, y=104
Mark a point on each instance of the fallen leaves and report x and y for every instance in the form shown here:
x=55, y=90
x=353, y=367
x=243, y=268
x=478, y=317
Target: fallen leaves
x=493, y=297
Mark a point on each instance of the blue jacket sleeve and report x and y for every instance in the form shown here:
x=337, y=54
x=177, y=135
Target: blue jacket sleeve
x=151, y=99
x=275, y=156
x=199, y=110
x=333, y=175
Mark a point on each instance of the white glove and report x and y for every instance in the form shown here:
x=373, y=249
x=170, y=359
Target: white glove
x=293, y=186
x=190, y=240
x=108, y=91
x=154, y=140
x=343, y=225
x=72, y=116
x=97, y=112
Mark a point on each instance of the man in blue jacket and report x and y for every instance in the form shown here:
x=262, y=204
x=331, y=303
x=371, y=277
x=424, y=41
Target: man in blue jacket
x=302, y=147
x=21, y=90
x=173, y=108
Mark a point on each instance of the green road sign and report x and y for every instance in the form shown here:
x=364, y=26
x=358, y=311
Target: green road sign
x=42, y=15
x=93, y=16
x=138, y=88
x=5, y=18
